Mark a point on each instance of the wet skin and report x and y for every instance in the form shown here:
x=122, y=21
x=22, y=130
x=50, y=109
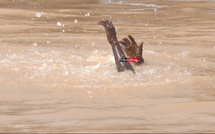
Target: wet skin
x=131, y=48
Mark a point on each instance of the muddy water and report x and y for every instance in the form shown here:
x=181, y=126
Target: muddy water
x=57, y=72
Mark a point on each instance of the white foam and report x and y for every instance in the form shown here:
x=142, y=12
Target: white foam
x=185, y=53
x=153, y=6
x=39, y=14
x=34, y=44
x=5, y=61
x=75, y=21
x=87, y=14
x=95, y=51
x=150, y=52
x=89, y=67
x=59, y=24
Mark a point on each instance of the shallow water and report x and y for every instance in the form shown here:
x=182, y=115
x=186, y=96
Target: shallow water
x=57, y=72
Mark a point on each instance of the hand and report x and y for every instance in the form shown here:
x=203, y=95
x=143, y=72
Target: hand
x=110, y=30
x=117, y=50
x=132, y=49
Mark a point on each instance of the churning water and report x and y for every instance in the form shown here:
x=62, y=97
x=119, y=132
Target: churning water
x=57, y=71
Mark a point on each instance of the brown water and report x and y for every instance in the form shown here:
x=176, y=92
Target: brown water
x=57, y=72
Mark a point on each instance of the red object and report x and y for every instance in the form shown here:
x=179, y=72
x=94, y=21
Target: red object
x=133, y=59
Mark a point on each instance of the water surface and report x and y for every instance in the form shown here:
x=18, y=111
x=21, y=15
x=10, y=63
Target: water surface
x=57, y=72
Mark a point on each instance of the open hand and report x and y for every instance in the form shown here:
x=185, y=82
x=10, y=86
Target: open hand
x=132, y=49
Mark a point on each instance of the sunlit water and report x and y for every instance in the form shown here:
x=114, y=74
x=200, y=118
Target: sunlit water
x=57, y=71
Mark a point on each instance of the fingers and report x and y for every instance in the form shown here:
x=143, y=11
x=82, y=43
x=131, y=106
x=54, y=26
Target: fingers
x=106, y=23
x=139, y=54
x=102, y=22
x=125, y=42
x=140, y=50
x=110, y=24
x=132, y=40
x=132, y=49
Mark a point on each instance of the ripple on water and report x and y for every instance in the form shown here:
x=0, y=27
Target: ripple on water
x=145, y=6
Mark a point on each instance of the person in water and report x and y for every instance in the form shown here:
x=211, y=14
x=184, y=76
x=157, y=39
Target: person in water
x=131, y=48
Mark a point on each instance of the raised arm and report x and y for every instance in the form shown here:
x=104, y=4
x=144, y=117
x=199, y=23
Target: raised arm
x=117, y=50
